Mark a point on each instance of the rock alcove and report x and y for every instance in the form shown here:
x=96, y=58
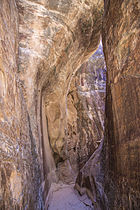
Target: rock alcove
x=84, y=126
x=44, y=102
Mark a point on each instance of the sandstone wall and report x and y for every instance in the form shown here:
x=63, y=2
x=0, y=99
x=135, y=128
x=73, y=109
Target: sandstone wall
x=122, y=141
x=91, y=129
x=19, y=167
x=84, y=116
x=42, y=44
x=55, y=38
x=90, y=84
x=111, y=176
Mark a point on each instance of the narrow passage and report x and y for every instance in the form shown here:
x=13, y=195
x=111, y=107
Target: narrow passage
x=64, y=197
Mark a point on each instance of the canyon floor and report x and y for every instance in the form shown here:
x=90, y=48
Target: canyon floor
x=64, y=197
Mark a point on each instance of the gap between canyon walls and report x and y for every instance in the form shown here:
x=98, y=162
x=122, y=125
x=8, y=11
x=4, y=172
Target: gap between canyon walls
x=54, y=40
x=84, y=120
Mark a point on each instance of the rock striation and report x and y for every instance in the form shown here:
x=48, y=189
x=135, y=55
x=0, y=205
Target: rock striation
x=52, y=116
x=42, y=45
x=122, y=136
x=84, y=116
x=90, y=176
x=19, y=167
x=111, y=176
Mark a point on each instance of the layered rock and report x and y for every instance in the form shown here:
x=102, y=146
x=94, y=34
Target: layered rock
x=54, y=39
x=85, y=114
x=111, y=176
x=19, y=166
x=90, y=176
x=42, y=44
x=90, y=84
x=122, y=141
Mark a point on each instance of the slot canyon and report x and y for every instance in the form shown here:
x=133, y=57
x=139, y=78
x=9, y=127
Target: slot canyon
x=69, y=105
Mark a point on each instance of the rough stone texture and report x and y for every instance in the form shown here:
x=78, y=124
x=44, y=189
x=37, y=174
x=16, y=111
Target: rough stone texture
x=55, y=38
x=89, y=179
x=19, y=169
x=42, y=44
x=87, y=96
x=111, y=176
x=122, y=141
x=85, y=116
x=36, y=68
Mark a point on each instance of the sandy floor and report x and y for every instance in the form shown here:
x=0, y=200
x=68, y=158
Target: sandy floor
x=64, y=197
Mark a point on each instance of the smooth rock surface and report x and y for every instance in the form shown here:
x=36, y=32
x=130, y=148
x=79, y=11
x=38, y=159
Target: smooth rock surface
x=65, y=197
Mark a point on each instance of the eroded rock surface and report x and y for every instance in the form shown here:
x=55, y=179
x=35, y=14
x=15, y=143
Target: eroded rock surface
x=87, y=97
x=85, y=116
x=42, y=44
x=19, y=166
x=55, y=38
x=122, y=141
x=110, y=177
x=90, y=176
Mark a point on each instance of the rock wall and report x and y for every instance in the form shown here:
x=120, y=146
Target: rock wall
x=85, y=115
x=42, y=44
x=90, y=176
x=19, y=166
x=122, y=141
x=54, y=40
x=111, y=176
x=90, y=84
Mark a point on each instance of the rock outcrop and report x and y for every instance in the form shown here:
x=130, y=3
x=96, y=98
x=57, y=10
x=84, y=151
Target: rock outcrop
x=51, y=118
x=19, y=167
x=42, y=45
x=90, y=176
x=122, y=137
x=84, y=116
x=54, y=40
x=111, y=176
